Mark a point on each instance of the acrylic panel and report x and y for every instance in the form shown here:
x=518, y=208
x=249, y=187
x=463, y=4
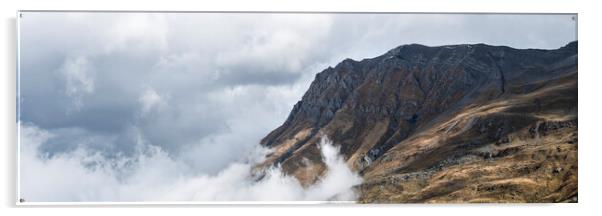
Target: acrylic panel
x=277, y=107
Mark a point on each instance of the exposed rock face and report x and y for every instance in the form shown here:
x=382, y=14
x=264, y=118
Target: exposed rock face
x=461, y=123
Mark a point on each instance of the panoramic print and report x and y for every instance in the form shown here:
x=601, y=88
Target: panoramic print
x=267, y=107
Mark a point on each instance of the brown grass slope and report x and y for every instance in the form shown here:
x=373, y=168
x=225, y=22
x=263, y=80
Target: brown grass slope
x=517, y=149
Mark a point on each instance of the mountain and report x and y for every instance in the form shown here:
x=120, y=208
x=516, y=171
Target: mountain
x=459, y=123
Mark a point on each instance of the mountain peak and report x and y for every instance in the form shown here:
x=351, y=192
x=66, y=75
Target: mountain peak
x=378, y=109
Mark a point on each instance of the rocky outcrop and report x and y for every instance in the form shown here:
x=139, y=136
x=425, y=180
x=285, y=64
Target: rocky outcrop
x=417, y=110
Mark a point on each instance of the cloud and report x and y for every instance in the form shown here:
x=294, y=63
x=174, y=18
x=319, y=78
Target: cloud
x=151, y=175
x=151, y=100
x=136, y=31
x=277, y=51
x=79, y=80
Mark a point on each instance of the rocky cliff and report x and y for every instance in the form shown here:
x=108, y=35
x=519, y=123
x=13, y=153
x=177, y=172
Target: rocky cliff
x=459, y=123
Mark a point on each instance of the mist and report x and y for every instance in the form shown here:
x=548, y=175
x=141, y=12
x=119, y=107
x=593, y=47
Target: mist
x=151, y=175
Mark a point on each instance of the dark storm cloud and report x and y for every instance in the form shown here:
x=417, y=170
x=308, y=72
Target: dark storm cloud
x=207, y=87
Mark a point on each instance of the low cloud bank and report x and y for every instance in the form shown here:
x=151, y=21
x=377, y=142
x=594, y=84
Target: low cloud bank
x=151, y=175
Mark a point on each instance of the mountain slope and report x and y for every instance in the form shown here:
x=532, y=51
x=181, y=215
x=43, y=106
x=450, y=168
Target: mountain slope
x=443, y=124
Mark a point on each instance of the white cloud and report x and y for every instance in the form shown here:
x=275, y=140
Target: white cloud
x=79, y=80
x=150, y=100
x=153, y=176
x=136, y=31
x=278, y=45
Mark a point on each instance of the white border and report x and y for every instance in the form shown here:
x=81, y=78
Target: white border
x=18, y=57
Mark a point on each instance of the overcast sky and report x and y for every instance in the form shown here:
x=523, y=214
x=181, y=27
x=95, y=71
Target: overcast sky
x=204, y=88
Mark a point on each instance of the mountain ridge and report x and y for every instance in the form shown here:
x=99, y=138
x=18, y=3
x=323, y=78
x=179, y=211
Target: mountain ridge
x=376, y=105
